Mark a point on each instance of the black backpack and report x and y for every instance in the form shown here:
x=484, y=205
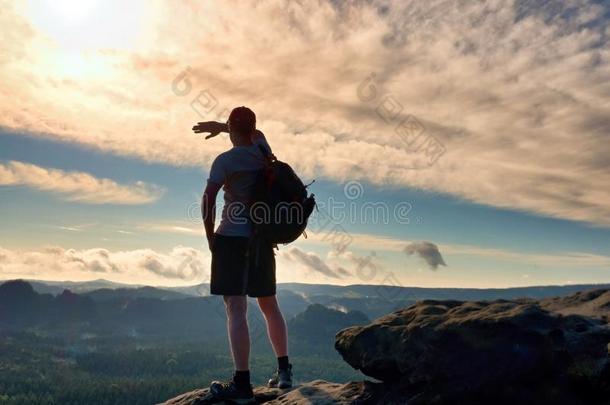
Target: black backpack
x=281, y=206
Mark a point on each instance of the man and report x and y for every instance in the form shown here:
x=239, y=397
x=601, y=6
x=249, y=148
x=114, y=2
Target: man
x=242, y=263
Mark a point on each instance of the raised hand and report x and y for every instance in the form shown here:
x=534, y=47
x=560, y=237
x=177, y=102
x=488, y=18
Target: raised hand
x=213, y=127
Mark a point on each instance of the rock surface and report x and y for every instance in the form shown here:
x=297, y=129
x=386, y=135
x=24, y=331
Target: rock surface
x=594, y=303
x=203, y=397
x=444, y=351
x=320, y=392
x=316, y=392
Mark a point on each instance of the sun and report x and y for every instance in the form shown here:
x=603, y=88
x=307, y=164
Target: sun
x=72, y=10
x=87, y=25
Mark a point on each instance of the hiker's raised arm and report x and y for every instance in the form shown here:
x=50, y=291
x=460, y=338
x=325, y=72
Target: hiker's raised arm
x=213, y=127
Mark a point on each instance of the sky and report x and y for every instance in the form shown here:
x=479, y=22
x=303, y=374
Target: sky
x=452, y=143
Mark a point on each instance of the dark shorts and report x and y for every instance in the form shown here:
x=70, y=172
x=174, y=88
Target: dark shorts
x=242, y=266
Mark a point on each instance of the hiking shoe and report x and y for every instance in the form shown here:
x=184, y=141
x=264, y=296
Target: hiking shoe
x=229, y=391
x=281, y=378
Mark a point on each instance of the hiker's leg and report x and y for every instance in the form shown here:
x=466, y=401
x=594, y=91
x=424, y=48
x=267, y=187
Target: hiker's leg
x=237, y=326
x=276, y=326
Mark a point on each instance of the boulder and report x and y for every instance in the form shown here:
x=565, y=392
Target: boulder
x=501, y=351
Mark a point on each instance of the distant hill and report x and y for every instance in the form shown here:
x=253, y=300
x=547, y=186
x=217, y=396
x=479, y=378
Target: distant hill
x=419, y=293
x=372, y=300
x=318, y=324
x=132, y=312
x=392, y=293
x=56, y=287
x=110, y=294
x=151, y=312
x=22, y=307
x=292, y=303
x=197, y=290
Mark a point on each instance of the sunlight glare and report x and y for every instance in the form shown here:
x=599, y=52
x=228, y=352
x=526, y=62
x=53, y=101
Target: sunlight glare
x=74, y=10
x=88, y=25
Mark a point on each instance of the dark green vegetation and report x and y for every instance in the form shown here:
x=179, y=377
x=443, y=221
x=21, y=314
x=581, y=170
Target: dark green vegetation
x=37, y=369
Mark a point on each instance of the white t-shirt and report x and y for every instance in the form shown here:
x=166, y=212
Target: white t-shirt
x=237, y=169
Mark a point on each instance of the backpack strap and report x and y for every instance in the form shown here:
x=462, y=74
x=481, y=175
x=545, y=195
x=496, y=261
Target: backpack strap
x=268, y=156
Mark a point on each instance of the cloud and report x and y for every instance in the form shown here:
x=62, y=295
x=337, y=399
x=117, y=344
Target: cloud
x=180, y=264
x=516, y=91
x=77, y=228
x=77, y=186
x=312, y=262
x=386, y=244
x=363, y=268
x=427, y=251
x=69, y=228
x=180, y=227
